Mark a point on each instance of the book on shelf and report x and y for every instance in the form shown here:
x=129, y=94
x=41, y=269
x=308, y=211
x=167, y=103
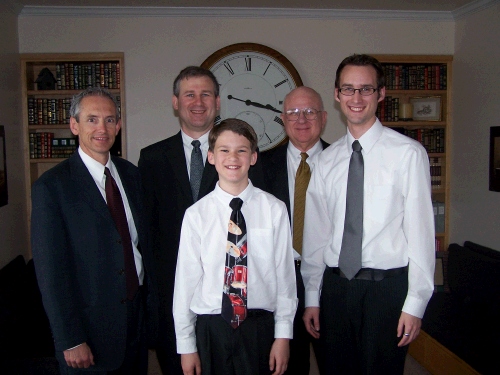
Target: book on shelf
x=415, y=76
x=44, y=145
x=47, y=111
x=436, y=172
x=80, y=75
x=439, y=213
x=431, y=139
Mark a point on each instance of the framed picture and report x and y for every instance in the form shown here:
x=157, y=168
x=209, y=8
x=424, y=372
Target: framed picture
x=495, y=158
x=4, y=198
x=426, y=108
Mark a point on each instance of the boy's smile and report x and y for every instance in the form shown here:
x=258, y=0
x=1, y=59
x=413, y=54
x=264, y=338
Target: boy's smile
x=232, y=157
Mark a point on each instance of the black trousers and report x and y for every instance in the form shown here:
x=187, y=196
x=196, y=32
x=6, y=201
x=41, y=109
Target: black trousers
x=358, y=322
x=241, y=351
x=299, y=363
x=166, y=348
x=135, y=361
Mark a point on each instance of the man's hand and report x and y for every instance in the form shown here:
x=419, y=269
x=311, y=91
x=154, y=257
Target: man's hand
x=311, y=320
x=280, y=354
x=191, y=364
x=409, y=328
x=79, y=357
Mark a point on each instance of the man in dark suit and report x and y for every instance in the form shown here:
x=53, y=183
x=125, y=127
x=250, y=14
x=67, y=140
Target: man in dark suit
x=92, y=268
x=167, y=170
x=304, y=120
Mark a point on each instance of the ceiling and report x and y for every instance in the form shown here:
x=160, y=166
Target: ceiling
x=400, y=5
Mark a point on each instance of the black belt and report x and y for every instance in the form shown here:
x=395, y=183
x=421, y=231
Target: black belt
x=372, y=274
x=257, y=312
x=297, y=263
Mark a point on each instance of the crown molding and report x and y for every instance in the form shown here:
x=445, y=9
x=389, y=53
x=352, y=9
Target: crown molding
x=231, y=12
x=13, y=6
x=473, y=7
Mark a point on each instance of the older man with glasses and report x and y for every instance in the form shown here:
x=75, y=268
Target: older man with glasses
x=288, y=170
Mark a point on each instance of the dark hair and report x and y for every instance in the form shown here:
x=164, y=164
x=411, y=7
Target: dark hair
x=194, y=71
x=236, y=126
x=362, y=60
x=74, y=110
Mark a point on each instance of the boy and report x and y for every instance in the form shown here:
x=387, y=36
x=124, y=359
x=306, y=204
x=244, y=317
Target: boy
x=229, y=320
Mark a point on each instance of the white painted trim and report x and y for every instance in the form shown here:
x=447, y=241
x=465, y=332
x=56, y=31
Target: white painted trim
x=473, y=7
x=44, y=11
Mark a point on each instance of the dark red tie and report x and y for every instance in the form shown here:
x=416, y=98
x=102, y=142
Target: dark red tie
x=115, y=205
x=234, y=296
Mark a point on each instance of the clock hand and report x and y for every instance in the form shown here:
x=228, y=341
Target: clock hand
x=255, y=104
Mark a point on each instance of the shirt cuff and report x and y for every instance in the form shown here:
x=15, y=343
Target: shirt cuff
x=414, y=306
x=283, y=330
x=312, y=299
x=186, y=346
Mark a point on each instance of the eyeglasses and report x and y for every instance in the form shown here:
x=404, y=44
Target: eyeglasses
x=294, y=114
x=364, y=91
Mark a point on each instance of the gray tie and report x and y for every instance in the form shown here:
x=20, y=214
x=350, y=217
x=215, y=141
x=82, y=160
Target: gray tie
x=350, y=253
x=196, y=169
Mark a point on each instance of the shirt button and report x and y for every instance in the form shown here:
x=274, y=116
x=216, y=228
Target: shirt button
x=121, y=272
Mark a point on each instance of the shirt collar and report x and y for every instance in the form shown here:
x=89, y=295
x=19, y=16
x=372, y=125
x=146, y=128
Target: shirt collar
x=368, y=139
x=95, y=168
x=186, y=140
x=225, y=197
x=295, y=152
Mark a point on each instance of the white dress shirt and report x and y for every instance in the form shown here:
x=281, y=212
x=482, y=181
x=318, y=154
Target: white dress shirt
x=96, y=170
x=398, y=220
x=188, y=148
x=293, y=161
x=199, y=276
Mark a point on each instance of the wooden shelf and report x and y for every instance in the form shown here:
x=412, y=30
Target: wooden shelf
x=442, y=193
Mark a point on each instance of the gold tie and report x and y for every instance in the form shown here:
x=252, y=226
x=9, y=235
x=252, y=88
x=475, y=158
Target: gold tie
x=299, y=201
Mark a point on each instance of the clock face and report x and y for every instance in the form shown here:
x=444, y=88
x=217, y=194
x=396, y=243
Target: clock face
x=253, y=86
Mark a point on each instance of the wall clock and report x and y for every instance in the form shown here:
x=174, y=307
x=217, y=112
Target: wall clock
x=254, y=80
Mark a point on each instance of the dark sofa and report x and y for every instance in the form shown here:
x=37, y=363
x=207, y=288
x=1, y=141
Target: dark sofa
x=26, y=345
x=465, y=319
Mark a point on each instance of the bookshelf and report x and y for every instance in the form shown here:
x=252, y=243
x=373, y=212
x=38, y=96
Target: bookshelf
x=425, y=82
x=47, y=137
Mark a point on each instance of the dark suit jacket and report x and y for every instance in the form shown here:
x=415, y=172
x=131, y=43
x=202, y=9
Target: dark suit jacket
x=168, y=195
x=276, y=173
x=78, y=258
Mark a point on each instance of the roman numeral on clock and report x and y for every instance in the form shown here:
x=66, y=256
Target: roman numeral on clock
x=279, y=121
x=248, y=64
x=280, y=83
x=228, y=67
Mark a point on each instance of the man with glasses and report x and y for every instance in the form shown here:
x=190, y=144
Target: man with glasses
x=288, y=165
x=368, y=256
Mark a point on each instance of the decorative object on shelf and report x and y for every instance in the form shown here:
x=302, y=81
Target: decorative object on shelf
x=46, y=80
x=405, y=112
x=426, y=108
x=495, y=158
x=4, y=197
x=254, y=80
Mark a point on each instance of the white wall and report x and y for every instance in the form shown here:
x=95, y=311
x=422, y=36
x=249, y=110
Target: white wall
x=475, y=211
x=157, y=48
x=13, y=230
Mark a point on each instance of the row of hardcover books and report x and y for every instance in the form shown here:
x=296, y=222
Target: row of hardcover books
x=436, y=173
x=44, y=111
x=439, y=213
x=78, y=76
x=388, y=109
x=432, y=139
x=415, y=76
x=43, y=145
